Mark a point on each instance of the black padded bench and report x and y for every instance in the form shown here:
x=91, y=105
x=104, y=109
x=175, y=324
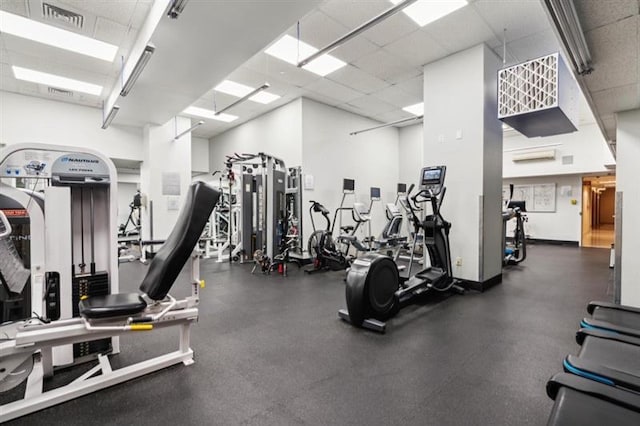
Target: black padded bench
x=167, y=263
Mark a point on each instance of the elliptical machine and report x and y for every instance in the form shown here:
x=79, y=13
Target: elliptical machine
x=375, y=289
x=514, y=249
x=322, y=248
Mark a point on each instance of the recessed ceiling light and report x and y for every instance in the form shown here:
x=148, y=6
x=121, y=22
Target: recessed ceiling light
x=57, y=37
x=239, y=90
x=207, y=113
x=293, y=51
x=56, y=81
x=416, y=109
x=424, y=12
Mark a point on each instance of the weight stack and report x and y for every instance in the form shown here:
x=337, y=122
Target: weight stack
x=89, y=285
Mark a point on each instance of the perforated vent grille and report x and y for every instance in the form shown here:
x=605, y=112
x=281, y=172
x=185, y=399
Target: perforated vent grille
x=567, y=159
x=60, y=92
x=63, y=16
x=528, y=87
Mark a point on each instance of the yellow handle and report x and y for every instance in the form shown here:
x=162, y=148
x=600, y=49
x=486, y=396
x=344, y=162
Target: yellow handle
x=202, y=284
x=85, y=297
x=141, y=327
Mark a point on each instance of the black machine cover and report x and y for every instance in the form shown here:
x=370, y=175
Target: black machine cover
x=174, y=253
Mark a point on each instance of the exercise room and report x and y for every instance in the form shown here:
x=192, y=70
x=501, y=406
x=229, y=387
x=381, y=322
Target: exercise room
x=319, y=212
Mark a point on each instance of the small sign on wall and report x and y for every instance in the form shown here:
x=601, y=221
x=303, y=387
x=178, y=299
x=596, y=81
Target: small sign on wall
x=308, y=182
x=170, y=183
x=173, y=203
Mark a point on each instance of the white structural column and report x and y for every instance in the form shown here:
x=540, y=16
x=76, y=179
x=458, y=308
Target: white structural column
x=462, y=132
x=627, y=207
x=165, y=174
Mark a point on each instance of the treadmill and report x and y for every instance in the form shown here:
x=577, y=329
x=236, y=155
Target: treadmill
x=613, y=318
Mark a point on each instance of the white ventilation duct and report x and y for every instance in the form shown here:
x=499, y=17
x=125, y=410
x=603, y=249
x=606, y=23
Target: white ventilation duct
x=535, y=156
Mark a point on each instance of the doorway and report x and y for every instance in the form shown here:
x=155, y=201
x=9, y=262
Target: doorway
x=598, y=210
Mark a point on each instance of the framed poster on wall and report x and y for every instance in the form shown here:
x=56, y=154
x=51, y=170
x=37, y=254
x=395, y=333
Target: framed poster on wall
x=544, y=197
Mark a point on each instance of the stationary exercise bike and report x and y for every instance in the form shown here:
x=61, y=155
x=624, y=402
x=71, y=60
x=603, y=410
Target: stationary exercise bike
x=326, y=255
x=375, y=289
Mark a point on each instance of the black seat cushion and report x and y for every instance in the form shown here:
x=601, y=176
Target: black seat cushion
x=174, y=253
x=112, y=305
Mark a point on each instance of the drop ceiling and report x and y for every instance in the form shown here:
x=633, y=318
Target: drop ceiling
x=383, y=72
x=613, y=36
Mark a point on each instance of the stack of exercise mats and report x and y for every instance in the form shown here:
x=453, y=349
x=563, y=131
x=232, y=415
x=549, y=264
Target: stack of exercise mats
x=601, y=385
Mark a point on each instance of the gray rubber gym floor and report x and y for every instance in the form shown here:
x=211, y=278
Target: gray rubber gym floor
x=271, y=351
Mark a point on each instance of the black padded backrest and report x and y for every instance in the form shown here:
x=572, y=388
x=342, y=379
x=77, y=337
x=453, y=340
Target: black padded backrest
x=174, y=253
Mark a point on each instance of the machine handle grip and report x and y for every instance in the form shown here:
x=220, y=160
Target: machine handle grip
x=5, y=226
x=141, y=327
x=140, y=320
x=413, y=185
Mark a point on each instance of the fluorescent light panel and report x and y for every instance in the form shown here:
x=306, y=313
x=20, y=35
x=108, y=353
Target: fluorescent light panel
x=416, y=109
x=290, y=50
x=56, y=81
x=57, y=37
x=424, y=12
x=239, y=90
x=207, y=113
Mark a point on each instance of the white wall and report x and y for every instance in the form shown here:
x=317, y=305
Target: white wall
x=199, y=155
x=565, y=223
x=628, y=153
x=411, y=155
x=278, y=132
x=330, y=154
x=31, y=119
x=587, y=146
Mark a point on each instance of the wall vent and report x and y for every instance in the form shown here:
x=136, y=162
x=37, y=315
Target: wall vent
x=567, y=159
x=62, y=16
x=60, y=92
x=535, y=156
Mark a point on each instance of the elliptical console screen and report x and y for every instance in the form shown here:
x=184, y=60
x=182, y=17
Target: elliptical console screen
x=375, y=193
x=348, y=185
x=402, y=188
x=432, y=178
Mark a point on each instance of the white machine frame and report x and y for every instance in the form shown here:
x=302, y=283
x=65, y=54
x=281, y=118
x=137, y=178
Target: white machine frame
x=33, y=338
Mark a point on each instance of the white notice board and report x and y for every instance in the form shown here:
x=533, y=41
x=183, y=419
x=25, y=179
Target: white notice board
x=544, y=197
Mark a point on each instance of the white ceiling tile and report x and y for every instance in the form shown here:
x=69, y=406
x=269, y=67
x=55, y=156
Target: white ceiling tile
x=391, y=29
x=405, y=75
x=417, y=48
x=520, y=18
x=321, y=98
x=460, y=30
x=533, y=46
x=413, y=86
x=354, y=49
x=398, y=97
x=109, y=31
x=617, y=99
x=318, y=29
x=18, y=7
x=357, y=79
x=115, y=10
x=333, y=90
x=140, y=13
x=371, y=105
x=395, y=115
x=278, y=70
x=383, y=65
x=614, y=49
x=352, y=13
x=593, y=13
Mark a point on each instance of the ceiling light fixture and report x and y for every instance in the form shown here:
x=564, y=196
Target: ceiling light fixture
x=47, y=34
x=176, y=8
x=425, y=12
x=563, y=13
x=415, y=109
x=244, y=98
x=239, y=90
x=289, y=49
x=56, y=81
x=353, y=33
x=199, y=123
x=137, y=69
x=109, y=118
x=207, y=113
x=392, y=123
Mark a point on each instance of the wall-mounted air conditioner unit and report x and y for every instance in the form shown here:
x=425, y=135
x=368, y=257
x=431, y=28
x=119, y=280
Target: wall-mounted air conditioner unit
x=535, y=156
